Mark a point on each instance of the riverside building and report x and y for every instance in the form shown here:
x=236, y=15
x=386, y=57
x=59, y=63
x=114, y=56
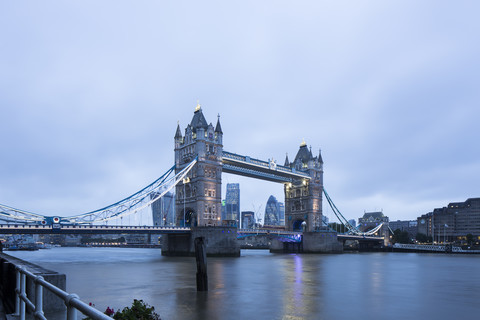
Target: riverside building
x=409, y=226
x=453, y=222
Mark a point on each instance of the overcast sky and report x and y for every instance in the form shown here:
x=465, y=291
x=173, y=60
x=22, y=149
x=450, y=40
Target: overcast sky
x=91, y=92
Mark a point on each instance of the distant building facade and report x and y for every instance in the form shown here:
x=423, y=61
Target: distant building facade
x=452, y=223
x=274, y=213
x=409, y=226
x=352, y=222
x=371, y=220
x=163, y=209
x=248, y=219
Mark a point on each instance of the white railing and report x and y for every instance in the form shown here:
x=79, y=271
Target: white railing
x=421, y=247
x=72, y=301
x=460, y=250
x=429, y=247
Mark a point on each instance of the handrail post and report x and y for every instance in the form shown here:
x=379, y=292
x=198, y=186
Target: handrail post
x=71, y=313
x=23, y=295
x=71, y=310
x=17, y=292
x=38, y=297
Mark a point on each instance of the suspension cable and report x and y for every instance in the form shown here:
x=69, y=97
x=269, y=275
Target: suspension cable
x=119, y=209
x=344, y=221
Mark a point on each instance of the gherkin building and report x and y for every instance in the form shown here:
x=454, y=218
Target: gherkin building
x=274, y=213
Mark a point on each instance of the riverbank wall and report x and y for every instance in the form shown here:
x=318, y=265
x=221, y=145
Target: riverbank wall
x=51, y=303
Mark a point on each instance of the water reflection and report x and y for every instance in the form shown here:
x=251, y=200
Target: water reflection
x=302, y=287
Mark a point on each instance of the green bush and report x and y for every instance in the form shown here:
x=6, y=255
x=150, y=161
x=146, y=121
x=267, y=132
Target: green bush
x=138, y=311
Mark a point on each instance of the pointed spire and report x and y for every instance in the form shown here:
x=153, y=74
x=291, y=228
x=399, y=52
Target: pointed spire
x=198, y=120
x=320, y=160
x=287, y=163
x=218, y=127
x=303, y=144
x=178, y=134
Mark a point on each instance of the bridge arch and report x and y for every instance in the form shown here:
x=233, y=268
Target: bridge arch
x=299, y=225
x=191, y=219
x=186, y=217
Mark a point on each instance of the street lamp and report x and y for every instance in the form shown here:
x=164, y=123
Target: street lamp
x=185, y=181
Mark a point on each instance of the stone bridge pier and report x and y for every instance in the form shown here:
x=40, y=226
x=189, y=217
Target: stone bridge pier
x=219, y=241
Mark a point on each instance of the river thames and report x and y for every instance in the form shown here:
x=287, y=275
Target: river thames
x=261, y=285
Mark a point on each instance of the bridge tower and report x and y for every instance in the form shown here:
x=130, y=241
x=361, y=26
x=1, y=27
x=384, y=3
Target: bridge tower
x=198, y=197
x=303, y=198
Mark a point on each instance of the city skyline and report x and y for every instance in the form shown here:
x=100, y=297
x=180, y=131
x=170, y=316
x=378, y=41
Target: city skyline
x=388, y=92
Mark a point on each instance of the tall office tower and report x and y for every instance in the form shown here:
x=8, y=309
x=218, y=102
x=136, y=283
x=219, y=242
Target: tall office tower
x=232, y=204
x=281, y=213
x=273, y=212
x=248, y=219
x=163, y=209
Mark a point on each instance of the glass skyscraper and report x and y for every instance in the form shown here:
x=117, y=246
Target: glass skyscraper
x=232, y=204
x=163, y=209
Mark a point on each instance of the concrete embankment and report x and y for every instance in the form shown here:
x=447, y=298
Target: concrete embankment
x=51, y=303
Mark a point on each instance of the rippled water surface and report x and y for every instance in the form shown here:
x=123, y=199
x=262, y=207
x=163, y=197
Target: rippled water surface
x=260, y=285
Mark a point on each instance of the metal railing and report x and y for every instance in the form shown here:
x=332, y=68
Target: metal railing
x=72, y=301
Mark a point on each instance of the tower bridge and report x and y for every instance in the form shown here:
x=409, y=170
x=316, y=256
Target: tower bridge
x=198, y=199
x=199, y=163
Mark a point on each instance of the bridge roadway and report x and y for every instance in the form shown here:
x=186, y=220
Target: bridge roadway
x=103, y=229
x=87, y=229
